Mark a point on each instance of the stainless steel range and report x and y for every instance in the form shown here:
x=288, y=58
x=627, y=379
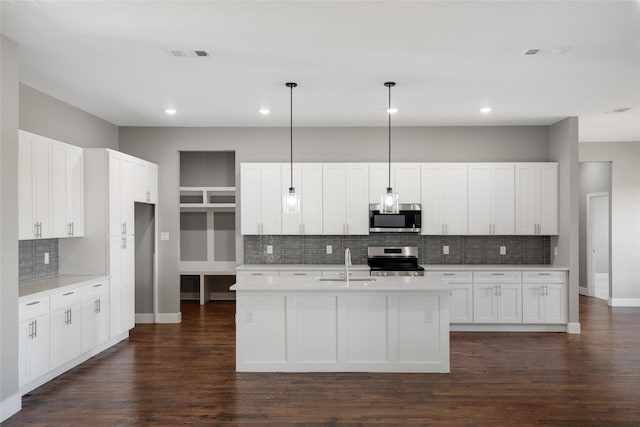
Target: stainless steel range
x=394, y=261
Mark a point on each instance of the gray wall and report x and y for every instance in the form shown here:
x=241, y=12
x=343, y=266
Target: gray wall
x=8, y=222
x=45, y=115
x=595, y=177
x=438, y=144
x=563, y=148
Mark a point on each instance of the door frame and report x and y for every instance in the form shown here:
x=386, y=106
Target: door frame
x=590, y=275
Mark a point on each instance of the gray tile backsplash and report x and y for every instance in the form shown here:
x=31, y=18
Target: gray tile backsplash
x=31, y=259
x=462, y=249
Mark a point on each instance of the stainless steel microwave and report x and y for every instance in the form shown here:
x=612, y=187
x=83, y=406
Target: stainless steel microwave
x=408, y=220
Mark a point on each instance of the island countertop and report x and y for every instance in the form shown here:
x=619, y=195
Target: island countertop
x=378, y=283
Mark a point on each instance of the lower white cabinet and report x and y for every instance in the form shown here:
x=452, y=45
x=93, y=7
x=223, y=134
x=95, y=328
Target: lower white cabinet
x=497, y=297
x=66, y=318
x=95, y=316
x=122, y=288
x=544, y=298
x=461, y=294
x=33, y=348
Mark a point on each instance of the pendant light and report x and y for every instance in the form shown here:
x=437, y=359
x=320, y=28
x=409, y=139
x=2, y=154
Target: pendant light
x=389, y=203
x=291, y=200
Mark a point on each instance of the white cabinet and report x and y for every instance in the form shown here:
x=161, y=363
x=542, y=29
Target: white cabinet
x=405, y=180
x=444, y=198
x=122, y=285
x=345, y=207
x=544, y=297
x=307, y=180
x=67, y=190
x=461, y=294
x=491, y=202
x=66, y=315
x=536, y=198
x=121, y=183
x=146, y=182
x=33, y=340
x=95, y=315
x=497, y=297
x=34, y=183
x=261, y=198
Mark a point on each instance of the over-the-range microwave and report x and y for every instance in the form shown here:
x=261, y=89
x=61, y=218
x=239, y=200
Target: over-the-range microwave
x=408, y=220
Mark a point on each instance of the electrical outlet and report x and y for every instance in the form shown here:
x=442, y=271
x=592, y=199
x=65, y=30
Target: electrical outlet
x=46, y=257
x=249, y=316
x=269, y=249
x=445, y=250
x=555, y=251
x=329, y=249
x=428, y=317
x=503, y=250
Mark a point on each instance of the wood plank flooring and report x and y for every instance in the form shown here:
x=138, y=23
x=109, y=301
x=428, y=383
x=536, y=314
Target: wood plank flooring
x=184, y=374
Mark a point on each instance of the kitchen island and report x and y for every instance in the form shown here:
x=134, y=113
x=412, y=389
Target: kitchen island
x=316, y=324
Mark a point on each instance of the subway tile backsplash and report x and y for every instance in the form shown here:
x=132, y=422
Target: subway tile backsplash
x=31, y=259
x=462, y=249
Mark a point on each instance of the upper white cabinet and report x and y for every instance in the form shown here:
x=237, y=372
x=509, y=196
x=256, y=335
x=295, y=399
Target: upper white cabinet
x=261, y=198
x=121, y=207
x=444, y=198
x=491, y=198
x=307, y=180
x=536, y=198
x=345, y=201
x=146, y=182
x=51, y=188
x=405, y=180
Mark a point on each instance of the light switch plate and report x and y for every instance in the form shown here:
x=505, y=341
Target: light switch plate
x=164, y=235
x=269, y=249
x=329, y=249
x=503, y=250
x=445, y=250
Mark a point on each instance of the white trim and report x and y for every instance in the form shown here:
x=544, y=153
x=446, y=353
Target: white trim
x=468, y=327
x=145, y=318
x=624, y=302
x=590, y=275
x=573, y=328
x=10, y=406
x=584, y=291
x=169, y=317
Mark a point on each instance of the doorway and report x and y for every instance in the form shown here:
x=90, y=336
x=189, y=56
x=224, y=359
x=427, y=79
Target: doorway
x=598, y=258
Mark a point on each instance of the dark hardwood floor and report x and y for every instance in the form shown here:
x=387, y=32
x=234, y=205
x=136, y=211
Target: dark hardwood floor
x=184, y=374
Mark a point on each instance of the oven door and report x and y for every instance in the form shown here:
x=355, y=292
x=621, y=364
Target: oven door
x=406, y=221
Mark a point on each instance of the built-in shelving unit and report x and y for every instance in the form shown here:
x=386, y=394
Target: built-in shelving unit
x=193, y=199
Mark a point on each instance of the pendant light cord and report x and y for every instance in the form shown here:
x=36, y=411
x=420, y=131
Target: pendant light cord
x=291, y=132
x=389, y=113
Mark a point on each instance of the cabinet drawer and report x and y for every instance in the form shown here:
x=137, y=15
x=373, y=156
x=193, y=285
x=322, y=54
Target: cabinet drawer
x=452, y=276
x=543, y=277
x=92, y=291
x=497, y=276
x=33, y=307
x=256, y=273
x=65, y=299
x=303, y=273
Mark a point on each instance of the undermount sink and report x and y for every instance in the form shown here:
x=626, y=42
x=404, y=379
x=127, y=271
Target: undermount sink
x=342, y=279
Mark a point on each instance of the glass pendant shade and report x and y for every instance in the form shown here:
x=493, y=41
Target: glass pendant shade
x=291, y=202
x=389, y=202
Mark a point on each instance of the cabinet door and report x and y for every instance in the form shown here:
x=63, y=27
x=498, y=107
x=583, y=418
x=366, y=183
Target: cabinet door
x=333, y=198
x=503, y=209
x=33, y=349
x=357, y=208
x=431, y=199
x=555, y=303
x=292, y=223
x=141, y=187
x=26, y=221
x=485, y=303
x=548, y=199
x=75, y=190
x=453, y=193
x=532, y=303
x=116, y=244
x=128, y=280
x=311, y=198
x=65, y=335
x=480, y=203
x=250, y=198
x=41, y=163
x=60, y=226
x=527, y=199
x=461, y=303
x=271, y=201
x=94, y=322
x=379, y=180
x=152, y=182
x=116, y=225
x=510, y=302
x=127, y=208
x=407, y=182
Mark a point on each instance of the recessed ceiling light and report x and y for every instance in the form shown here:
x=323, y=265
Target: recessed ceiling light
x=392, y=110
x=170, y=111
x=619, y=110
x=534, y=51
x=264, y=111
x=485, y=110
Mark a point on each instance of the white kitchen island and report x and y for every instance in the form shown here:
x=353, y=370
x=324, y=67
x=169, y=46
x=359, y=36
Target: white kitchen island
x=303, y=324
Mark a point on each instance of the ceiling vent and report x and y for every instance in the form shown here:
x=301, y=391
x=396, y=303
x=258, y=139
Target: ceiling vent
x=531, y=52
x=619, y=110
x=184, y=53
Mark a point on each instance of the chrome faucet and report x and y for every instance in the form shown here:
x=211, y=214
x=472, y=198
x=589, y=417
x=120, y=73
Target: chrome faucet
x=347, y=264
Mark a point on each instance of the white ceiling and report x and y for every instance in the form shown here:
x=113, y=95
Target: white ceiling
x=448, y=58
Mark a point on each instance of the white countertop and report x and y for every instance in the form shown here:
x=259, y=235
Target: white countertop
x=485, y=267
x=299, y=267
x=288, y=283
x=53, y=284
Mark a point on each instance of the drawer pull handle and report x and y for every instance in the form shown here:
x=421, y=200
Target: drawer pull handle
x=497, y=274
x=449, y=274
x=98, y=285
x=299, y=274
x=256, y=274
x=67, y=294
x=544, y=274
x=33, y=303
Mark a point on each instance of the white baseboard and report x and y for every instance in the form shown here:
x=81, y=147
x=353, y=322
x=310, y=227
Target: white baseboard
x=584, y=291
x=168, y=317
x=10, y=406
x=471, y=327
x=573, y=328
x=145, y=318
x=624, y=302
